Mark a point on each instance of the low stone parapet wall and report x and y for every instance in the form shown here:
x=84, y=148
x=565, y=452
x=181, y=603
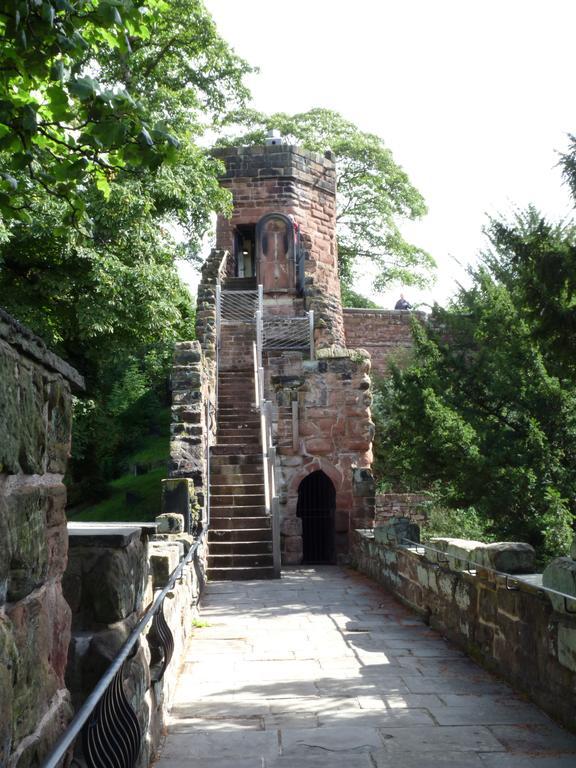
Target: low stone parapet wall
x=508, y=624
x=114, y=572
x=385, y=334
x=388, y=505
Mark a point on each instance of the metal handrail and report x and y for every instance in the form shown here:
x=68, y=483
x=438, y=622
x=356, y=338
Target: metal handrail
x=508, y=577
x=74, y=729
x=268, y=449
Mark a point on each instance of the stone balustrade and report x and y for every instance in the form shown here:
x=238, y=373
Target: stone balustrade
x=506, y=623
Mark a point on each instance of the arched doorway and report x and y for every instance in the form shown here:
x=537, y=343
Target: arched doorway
x=316, y=508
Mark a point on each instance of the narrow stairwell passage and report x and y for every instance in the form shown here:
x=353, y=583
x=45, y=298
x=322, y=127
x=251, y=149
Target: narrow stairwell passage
x=325, y=669
x=240, y=533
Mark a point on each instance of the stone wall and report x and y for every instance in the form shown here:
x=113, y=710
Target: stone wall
x=113, y=574
x=193, y=385
x=385, y=334
x=335, y=434
x=193, y=389
x=213, y=271
x=298, y=183
x=35, y=421
x=407, y=505
x=508, y=625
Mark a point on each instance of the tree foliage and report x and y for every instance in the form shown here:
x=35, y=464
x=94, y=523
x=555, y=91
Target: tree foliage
x=486, y=412
x=374, y=193
x=106, y=295
x=92, y=89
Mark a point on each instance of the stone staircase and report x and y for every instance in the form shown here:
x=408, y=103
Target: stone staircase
x=240, y=537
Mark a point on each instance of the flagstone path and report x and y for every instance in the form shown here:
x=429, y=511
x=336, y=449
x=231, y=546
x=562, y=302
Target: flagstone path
x=323, y=668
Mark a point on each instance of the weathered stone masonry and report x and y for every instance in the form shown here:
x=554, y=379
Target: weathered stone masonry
x=35, y=422
x=321, y=407
x=510, y=626
x=113, y=574
x=385, y=334
x=297, y=183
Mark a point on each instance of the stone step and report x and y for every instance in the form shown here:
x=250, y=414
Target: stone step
x=231, y=478
x=238, y=433
x=239, y=376
x=245, y=414
x=241, y=547
x=236, y=523
x=230, y=490
x=240, y=406
x=234, y=450
x=230, y=387
x=237, y=500
x=239, y=535
x=231, y=428
x=238, y=510
x=240, y=561
x=232, y=459
x=240, y=574
x=242, y=398
x=239, y=284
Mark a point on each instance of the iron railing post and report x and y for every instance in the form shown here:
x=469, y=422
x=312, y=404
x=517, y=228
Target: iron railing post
x=256, y=375
x=311, y=325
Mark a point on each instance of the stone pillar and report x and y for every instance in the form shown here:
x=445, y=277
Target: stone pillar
x=35, y=423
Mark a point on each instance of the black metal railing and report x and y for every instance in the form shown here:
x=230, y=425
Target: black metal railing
x=109, y=727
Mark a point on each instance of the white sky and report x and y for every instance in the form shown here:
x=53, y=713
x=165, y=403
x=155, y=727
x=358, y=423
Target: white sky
x=474, y=99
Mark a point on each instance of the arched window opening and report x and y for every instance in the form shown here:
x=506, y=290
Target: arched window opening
x=316, y=508
x=245, y=250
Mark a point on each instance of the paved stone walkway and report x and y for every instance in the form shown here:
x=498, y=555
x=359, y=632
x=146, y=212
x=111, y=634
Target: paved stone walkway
x=324, y=668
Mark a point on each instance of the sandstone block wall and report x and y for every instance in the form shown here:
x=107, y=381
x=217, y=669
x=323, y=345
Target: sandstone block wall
x=335, y=433
x=385, y=334
x=113, y=574
x=296, y=182
x=509, y=626
x=388, y=505
x=35, y=422
x=193, y=386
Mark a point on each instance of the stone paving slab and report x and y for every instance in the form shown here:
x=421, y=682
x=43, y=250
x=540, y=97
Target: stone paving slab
x=324, y=669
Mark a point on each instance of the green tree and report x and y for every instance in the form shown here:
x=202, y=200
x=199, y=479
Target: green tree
x=374, y=193
x=108, y=297
x=485, y=414
x=59, y=123
x=96, y=88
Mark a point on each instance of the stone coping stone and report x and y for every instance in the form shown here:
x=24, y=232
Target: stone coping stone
x=107, y=534
x=560, y=574
x=32, y=346
x=505, y=556
x=336, y=352
x=396, y=530
x=390, y=313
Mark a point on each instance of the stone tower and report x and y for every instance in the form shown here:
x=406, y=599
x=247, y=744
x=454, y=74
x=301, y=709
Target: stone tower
x=282, y=230
x=282, y=236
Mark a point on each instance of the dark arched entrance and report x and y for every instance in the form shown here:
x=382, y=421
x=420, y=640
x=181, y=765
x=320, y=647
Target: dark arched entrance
x=316, y=508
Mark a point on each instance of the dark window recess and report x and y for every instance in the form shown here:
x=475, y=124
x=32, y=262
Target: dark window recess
x=245, y=247
x=316, y=507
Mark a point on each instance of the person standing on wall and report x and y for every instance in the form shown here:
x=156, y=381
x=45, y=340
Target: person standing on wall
x=402, y=303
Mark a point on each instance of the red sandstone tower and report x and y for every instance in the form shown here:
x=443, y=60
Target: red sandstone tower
x=281, y=236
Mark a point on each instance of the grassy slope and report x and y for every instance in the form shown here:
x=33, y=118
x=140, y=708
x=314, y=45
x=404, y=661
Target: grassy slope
x=147, y=487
